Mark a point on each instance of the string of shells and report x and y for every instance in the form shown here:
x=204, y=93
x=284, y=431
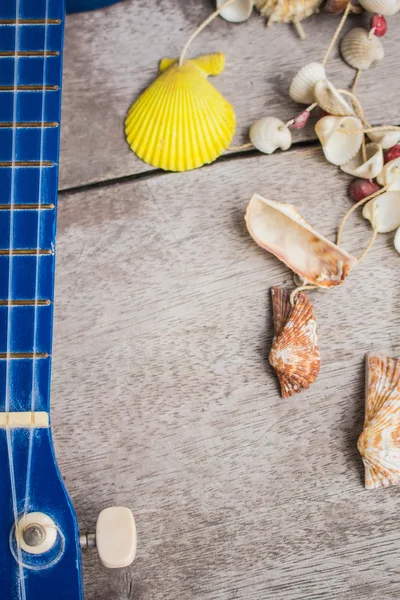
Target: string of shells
x=370, y=154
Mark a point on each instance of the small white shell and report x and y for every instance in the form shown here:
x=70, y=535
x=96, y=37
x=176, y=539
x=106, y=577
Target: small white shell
x=339, y=147
x=388, y=177
x=382, y=7
x=360, y=50
x=302, y=87
x=387, y=139
x=266, y=135
x=237, y=12
x=368, y=169
x=397, y=240
x=330, y=100
x=384, y=211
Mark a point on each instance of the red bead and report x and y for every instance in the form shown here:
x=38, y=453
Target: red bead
x=361, y=188
x=378, y=23
x=392, y=153
x=301, y=120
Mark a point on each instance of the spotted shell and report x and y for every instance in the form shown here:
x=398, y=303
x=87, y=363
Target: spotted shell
x=379, y=443
x=294, y=354
x=287, y=11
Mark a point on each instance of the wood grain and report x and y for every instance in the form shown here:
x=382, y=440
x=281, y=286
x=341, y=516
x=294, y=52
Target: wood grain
x=111, y=55
x=163, y=399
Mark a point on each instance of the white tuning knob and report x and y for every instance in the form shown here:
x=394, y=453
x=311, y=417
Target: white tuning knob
x=116, y=537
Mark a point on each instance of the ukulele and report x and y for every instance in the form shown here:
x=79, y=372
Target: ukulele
x=40, y=544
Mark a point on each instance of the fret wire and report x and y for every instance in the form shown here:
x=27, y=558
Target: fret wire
x=33, y=163
x=22, y=355
x=25, y=252
x=28, y=207
x=25, y=302
x=32, y=53
x=28, y=124
x=30, y=22
x=29, y=88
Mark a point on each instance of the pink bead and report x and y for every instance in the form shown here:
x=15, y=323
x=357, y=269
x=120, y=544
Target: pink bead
x=379, y=25
x=392, y=153
x=361, y=188
x=301, y=120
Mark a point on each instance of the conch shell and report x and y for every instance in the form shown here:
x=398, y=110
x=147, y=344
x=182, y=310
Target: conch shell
x=329, y=99
x=341, y=138
x=237, y=12
x=384, y=211
x=181, y=121
x=302, y=87
x=368, y=169
x=360, y=49
x=268, y=134
x=287, y=11
x=379, y=443
x=388, y=176
x=381, y=7
x=295, y=353
x=280, y=229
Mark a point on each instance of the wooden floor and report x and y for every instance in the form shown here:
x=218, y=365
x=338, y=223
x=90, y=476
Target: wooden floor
x=163, y=398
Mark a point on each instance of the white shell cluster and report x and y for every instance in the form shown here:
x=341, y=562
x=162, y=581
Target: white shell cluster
x=237, y=12
x=381, y=7
x=269, y=134
x=360, y=49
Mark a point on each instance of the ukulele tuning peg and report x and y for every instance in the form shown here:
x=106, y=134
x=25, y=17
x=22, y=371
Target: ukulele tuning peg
x=115, y=537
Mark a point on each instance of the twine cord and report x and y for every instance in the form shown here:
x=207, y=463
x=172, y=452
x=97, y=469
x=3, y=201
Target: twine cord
x=336, y=34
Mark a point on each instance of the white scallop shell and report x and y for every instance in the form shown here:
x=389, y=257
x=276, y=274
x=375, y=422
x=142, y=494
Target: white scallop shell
x=237, y=12
x=339, y=147
x=388, y=177
x=368, y=169
x=397, y=240
x=360, y=49
x=268, y=134
x=382, y=7
x=330, y=100
x=387, y=139
x=384, y=211
x=302, y=87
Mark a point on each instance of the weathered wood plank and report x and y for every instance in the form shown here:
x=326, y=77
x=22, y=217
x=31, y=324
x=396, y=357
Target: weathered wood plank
x=111, y=55
x=163, y=399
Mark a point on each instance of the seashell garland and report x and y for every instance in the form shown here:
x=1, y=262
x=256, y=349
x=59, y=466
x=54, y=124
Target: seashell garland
x=294, y=354
x=382, y=7
x=181, y=121
x=384, y=212
x=302, y=87
x=281, y=230
x=368, y=169
x=386, y=139
x=287, y=11
x=339, y=147
x=237, y=12
x=360, y=49
x=379, y=443
x=269, y=134
x=329, y=99
x=388, y=175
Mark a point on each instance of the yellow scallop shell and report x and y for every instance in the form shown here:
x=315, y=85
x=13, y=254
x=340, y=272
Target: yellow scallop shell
x=181, y=121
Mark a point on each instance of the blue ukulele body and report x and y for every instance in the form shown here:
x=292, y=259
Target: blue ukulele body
x=31, y=37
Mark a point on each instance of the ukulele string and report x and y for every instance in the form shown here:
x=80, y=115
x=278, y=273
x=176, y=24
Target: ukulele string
x=35, y=386
x=21, y=575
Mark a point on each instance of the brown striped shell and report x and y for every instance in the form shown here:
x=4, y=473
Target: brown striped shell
x=379, y=443
x=295, y=353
